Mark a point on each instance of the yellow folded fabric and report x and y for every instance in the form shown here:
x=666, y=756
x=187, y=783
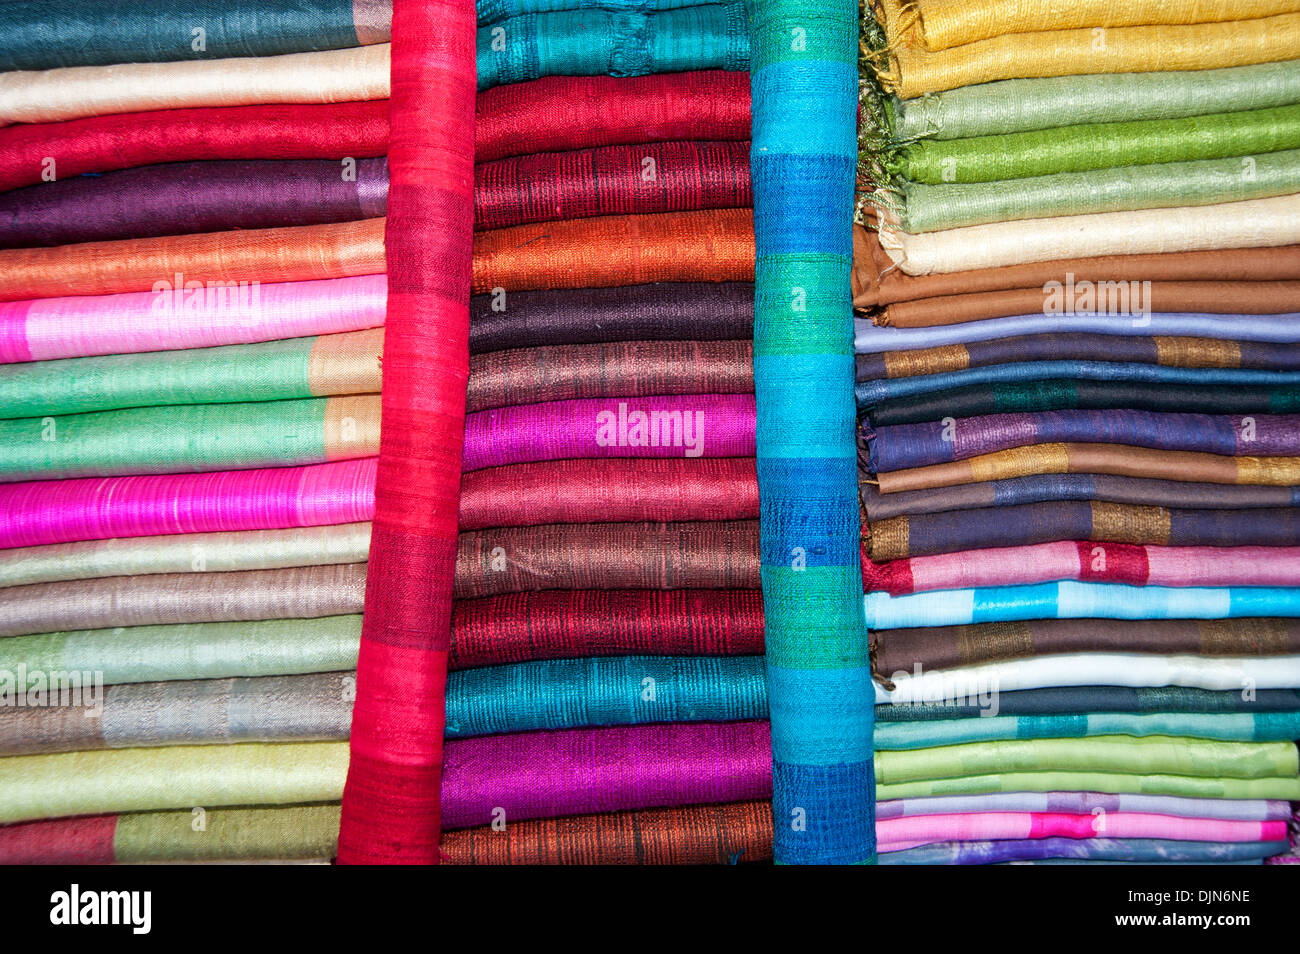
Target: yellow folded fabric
x=942, y=24
x=331, y=76
x=908, y=69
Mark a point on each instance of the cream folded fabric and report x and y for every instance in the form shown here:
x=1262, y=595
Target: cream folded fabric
x=908, y=69
x=332, y=76
x=1256, y=223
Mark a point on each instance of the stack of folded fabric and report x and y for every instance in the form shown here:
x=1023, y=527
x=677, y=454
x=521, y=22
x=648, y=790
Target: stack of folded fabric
x=606, y=696
x=192, y=296
x=1077, y=362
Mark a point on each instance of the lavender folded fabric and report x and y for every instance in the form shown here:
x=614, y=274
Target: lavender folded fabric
x=1086, y=803
x=1132, y=850
x=901, y=446
x=182, y=198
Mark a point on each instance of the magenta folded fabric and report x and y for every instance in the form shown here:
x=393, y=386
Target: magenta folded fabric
x=169, y=319
x=697, y=425
x=1086, y=803
x=585, y=771
x=1087, y=560
x=899, y=834
x=39, y=512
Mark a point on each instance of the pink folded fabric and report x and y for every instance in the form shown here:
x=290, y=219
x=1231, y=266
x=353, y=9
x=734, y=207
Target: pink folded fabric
x=174, y=317
x=39, y=512
x=899, y=834
x=1087, y=560
x=697, y=425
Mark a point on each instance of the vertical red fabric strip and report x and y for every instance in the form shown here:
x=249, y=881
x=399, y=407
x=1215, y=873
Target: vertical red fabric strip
x=391, y=801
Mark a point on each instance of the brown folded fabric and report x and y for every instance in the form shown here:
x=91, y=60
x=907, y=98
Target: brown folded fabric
x=252, y=255
x=1219, y=298
x=1119, y=459
x=710, y=246
x=611, y=556
x=295, y=593
x=877, y=281
x=609, y=369
x=940, y=647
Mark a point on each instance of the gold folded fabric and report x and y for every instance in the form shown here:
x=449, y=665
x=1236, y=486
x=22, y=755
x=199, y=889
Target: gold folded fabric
x=908, y=69
x=330, y=76
x=942, y=24
x=1255, y=223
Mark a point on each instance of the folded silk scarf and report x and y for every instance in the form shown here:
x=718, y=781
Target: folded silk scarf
x=619, y=43
x=1108, y=373
x=940, y=25
x=1088, y=699
x=620, y=369
x=917, y=445
x=1075, y=599
x=607, y=490
x=1086, y=803
x=213, y=259
x=912, y=70
x=61, y=511
x=106, y=31
x=1022, y=524
x=1052, y=393
x=918, y=208
x=555, y=624
x=878, y=281
x=1099, y=562
x=562, y=113
x=698, y=425
x=1140, y=851
x=666, y=311
x=32, y=153
x=617, y=250
x=1094, y=146
x=944, y=647
x=181, y=651
x=330, y=76
x=43, y=329
x=1189, y=340
x=179, y=553
x=1120, y=459
x=899, y=834
x=1252, y=223
x=710, y=555
x=194, y=597
x=1066, y=487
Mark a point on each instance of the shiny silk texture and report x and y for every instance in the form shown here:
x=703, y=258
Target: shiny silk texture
x=390, y=803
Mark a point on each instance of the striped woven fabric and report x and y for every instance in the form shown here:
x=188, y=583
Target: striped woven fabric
x=943, y=647
x=1099, y=562
x=1208, y=339
x=1023, y=524
x=1088, y=850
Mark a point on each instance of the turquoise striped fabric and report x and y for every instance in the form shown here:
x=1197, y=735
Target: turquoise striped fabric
x=803, y=80
x=1071, y=599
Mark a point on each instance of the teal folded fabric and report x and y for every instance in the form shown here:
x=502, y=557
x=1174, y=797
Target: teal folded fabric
x=616, y=43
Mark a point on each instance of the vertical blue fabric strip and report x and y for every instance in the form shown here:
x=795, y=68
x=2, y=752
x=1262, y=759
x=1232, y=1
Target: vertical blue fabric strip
x=803, y=79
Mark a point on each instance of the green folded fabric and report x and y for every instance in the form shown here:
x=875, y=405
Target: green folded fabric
x=1285, y=789
x=132, y=780
x=174, y=439
x=1227, y=727
x=1098, y=146
x=266, y=371
x=1007, y=106
x=276, y=647
x=1158, y=755
x=929, y=208
x=292, y=833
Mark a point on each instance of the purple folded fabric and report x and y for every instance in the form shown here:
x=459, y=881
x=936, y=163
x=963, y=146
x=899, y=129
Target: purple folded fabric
x=1133, y=850
x=584, y=771
x=900, y=446
x=697, y=425
x=181, y=198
